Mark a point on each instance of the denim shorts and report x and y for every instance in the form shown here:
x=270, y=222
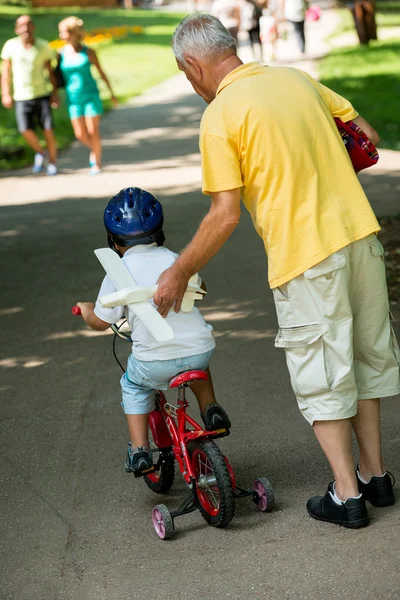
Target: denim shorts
x=142, y=379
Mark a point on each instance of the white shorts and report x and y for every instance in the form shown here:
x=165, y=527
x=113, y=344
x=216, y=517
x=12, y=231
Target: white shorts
x=335, y=326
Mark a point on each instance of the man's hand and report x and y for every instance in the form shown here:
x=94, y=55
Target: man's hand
x=7, y=101
x=369, y=131
x=172, y=285
x=54, y=100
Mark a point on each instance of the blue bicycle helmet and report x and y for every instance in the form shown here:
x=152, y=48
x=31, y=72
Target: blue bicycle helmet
x=134, y=216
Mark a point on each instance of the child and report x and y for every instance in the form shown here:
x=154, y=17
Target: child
x=133, y=220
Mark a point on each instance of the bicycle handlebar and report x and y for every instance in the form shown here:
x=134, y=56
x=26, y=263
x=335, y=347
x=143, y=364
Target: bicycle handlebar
x=76, y=311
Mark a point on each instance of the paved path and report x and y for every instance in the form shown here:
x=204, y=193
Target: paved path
x=74, y=526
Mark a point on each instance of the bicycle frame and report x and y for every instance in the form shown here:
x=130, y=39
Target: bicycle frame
x=177, y=434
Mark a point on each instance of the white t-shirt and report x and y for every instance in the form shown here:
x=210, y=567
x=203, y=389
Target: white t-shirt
x=295, y=10
x=192, y=335
x=224, y=10
x=28, y=67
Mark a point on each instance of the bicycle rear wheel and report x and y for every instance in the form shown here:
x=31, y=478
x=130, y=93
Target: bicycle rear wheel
x=161, y=480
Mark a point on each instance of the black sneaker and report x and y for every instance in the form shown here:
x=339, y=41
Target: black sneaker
x=379, y=490
x=214, y=417
x=138, y=462
x=352, y=513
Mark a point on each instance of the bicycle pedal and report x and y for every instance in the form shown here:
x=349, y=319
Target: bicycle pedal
x=143, y=473
x=219, y=433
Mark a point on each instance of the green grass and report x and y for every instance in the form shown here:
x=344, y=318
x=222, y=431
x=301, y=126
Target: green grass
x=133, y=64
x=369, y=76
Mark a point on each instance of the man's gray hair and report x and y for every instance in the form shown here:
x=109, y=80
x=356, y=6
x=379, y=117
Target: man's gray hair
x=201, y=36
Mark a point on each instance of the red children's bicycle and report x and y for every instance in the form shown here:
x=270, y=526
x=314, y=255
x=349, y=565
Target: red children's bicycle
x=177, y=437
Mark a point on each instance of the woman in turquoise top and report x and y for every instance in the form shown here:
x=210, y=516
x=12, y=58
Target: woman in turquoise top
x=84, y=104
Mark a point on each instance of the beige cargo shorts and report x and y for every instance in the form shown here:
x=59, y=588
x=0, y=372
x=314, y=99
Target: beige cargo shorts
x=335, y=327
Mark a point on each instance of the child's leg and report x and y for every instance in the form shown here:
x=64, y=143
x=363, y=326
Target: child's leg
x=204, y=391
x=138, y=427
x=137, y=402
x=212, y=413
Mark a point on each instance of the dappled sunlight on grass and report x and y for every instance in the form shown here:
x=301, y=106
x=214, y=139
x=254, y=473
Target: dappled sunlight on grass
x=368, y=77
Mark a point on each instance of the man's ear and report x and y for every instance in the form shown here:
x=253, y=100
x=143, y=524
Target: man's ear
x=195, y=66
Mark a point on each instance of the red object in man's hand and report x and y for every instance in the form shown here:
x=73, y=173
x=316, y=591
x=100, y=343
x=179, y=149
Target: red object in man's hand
x=362, y=152
x=76, y=310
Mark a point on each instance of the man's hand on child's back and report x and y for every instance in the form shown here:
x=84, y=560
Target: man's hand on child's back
x=172, y=285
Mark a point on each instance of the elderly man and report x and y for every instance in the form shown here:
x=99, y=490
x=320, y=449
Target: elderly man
x=25, y=62
x=268, y=136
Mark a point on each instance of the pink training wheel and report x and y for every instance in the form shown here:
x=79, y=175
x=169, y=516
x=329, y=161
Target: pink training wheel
x=76, y=310
x=162, y=521
x=263, y=494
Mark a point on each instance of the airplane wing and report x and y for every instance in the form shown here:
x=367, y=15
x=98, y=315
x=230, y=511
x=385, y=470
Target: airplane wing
x=121, y=278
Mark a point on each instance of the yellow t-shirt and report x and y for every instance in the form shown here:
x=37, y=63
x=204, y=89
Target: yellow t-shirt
x=28, y=68
x=270, y=132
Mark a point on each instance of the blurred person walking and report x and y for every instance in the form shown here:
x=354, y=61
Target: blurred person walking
x=250, y=15
x=363, y=12
x=228, y=12
x=27, y=70
x=84, y=104
x=294, y=11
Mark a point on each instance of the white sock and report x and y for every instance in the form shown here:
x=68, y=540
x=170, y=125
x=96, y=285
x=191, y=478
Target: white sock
x=363, y=480
x=338, y=501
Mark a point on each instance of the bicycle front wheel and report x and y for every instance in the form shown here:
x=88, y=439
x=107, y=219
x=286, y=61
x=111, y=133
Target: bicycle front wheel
x=213, y=483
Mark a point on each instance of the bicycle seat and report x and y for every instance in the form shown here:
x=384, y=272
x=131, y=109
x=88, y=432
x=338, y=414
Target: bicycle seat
x=186, y=378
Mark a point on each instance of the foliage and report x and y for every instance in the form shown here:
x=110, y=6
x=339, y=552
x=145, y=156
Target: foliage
x=369, y=75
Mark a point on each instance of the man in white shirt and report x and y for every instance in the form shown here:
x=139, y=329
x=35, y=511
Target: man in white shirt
x=26, y=60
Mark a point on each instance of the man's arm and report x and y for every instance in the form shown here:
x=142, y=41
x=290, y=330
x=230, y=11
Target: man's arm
x=6, y=78
x=87, y=311
x=369, y=131
x=342, y=109
x=214, y=230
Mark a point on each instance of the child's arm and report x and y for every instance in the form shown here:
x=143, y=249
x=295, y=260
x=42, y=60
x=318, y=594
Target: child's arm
x=87, y=311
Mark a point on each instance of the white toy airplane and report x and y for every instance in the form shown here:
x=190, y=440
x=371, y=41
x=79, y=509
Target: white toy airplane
x=136, y=297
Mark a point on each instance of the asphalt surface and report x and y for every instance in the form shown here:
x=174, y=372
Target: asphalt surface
x=74, y=525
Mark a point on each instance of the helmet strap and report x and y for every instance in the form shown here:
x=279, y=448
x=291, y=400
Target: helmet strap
x=112, y=244
x=159, y=237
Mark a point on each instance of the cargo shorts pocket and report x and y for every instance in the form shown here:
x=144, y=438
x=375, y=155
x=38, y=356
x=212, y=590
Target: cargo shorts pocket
x=327, y=267
x=377, y=249
x=305, y=358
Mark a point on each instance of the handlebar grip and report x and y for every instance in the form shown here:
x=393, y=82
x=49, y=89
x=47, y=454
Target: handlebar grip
x=76, y=310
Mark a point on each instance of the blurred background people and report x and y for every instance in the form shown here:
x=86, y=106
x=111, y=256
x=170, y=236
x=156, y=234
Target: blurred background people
x=363, y=12
x=295, y=12
x=250, y=15
x=25, y=76
x=84, y=104
x=228, y=12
